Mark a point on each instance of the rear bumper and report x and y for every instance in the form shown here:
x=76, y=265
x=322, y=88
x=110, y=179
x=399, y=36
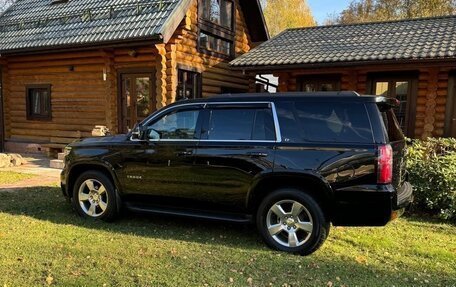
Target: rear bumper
x=371, y=205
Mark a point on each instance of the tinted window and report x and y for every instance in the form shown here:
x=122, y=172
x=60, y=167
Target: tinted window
x=241, y=124
x=324, y=122
x=177, y=125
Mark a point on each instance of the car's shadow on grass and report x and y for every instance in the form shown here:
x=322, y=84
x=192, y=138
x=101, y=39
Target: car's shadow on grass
x=48, y=204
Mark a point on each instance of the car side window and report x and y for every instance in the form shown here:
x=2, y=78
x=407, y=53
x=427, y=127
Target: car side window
x=241, y=124
x=324, y=122
x=179, y=125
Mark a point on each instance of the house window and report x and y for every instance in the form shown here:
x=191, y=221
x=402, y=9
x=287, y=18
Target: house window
x=214, y=44
x=219, y=12
x=216, y=25
x=322, y=83
x=189, y=85
x=403, y=89
x=38, y=102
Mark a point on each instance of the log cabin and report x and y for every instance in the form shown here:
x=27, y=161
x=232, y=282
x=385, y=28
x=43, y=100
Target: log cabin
x=411, y=60
x=69, y=66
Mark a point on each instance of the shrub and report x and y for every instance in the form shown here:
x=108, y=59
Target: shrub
x=432, y=167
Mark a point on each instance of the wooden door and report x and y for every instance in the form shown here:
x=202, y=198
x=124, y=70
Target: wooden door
x=137, y=99
x=403, y=88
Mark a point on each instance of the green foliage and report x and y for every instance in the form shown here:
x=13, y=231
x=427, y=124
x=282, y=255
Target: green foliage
x=285, y=14
x=8, y=177
x=360, y=11
x=432, y=167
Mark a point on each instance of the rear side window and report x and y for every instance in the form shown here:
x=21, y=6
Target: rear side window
x=241, y=124
x=324, y=122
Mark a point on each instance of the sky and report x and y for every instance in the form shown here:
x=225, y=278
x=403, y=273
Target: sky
x=321, y=8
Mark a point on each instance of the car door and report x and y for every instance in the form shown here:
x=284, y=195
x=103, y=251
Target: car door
x=160, y=169
x=237, y=145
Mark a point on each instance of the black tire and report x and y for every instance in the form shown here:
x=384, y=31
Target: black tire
x=311, y=241
x=110, y=202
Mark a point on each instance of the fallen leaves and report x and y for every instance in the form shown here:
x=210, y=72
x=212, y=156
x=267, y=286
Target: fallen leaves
x=49, y=280
x=361, y=259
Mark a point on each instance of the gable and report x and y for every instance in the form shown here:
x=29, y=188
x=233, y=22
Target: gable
x=30, y=25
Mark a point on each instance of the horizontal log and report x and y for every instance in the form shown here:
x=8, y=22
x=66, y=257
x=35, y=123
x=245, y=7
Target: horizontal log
x=25, y=138
x=223, y=84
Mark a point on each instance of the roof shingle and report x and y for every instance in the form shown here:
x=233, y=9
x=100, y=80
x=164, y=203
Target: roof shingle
x=38, y=23
x=426, y=38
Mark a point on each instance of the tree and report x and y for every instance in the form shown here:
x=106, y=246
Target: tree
x=360, y=11
x=4, y=4
x=284, y=14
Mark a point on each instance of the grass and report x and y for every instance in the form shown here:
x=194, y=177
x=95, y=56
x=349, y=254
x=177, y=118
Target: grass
x=9, y=177
x=43, y=242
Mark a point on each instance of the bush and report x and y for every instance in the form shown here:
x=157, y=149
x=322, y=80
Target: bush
x=432, y=167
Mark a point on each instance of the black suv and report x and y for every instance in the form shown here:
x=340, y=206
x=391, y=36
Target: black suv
x=292, y=163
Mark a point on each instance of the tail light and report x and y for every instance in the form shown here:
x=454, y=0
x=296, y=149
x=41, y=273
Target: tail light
x=385, y=164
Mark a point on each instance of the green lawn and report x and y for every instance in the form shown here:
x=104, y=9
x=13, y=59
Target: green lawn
x=8, y=177
x=43, y=242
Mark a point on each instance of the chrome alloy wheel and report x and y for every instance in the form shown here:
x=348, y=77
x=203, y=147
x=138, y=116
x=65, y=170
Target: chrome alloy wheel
x=289, y=223
x=93, y=198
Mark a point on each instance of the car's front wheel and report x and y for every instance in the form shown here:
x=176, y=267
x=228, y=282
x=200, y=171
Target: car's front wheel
x=290, y=220
x=94, y=196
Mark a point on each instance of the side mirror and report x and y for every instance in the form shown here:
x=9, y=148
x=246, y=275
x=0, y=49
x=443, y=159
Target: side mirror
x=137, y=133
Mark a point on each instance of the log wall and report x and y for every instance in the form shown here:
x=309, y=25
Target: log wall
x=85, y=84
x=83, y=92
x=215, y=71
x=431, y=97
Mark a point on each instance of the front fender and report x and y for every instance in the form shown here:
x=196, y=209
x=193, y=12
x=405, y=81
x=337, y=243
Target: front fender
x=76, y=168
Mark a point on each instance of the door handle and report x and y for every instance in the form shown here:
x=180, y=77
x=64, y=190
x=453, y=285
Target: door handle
x=184, y=153
x=257, y=154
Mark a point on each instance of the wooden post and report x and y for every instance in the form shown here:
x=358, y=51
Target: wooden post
x=6, y=102
x=161, y=75
x=171, y=73
x=283, y=82
x=2, y=130
x=431, y=96
x=109, y=80
x=353, y=81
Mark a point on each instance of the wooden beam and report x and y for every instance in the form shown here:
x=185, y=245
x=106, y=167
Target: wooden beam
x=109, y=80
x=161, y=75
x=431, y=96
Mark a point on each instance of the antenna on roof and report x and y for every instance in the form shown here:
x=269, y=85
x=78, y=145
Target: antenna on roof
x=87, y=16
x=138, y=9
x=112, y=11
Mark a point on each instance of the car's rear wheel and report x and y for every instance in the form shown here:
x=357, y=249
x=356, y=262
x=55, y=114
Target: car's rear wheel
x=94, y=196
x=290, y=220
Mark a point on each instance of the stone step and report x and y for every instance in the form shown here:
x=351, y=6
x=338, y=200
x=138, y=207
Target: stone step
x=57, y=164
x=61, y=156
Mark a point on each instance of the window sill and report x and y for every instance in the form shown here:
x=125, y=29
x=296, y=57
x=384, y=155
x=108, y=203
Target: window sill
x=39, y=119
x=215, y=54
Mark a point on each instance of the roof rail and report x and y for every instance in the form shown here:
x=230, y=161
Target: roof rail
x=349, y=93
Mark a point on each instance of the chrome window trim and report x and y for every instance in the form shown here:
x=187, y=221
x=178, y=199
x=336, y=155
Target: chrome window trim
x=165, y=110
x=276, y=123
x=205, y=104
